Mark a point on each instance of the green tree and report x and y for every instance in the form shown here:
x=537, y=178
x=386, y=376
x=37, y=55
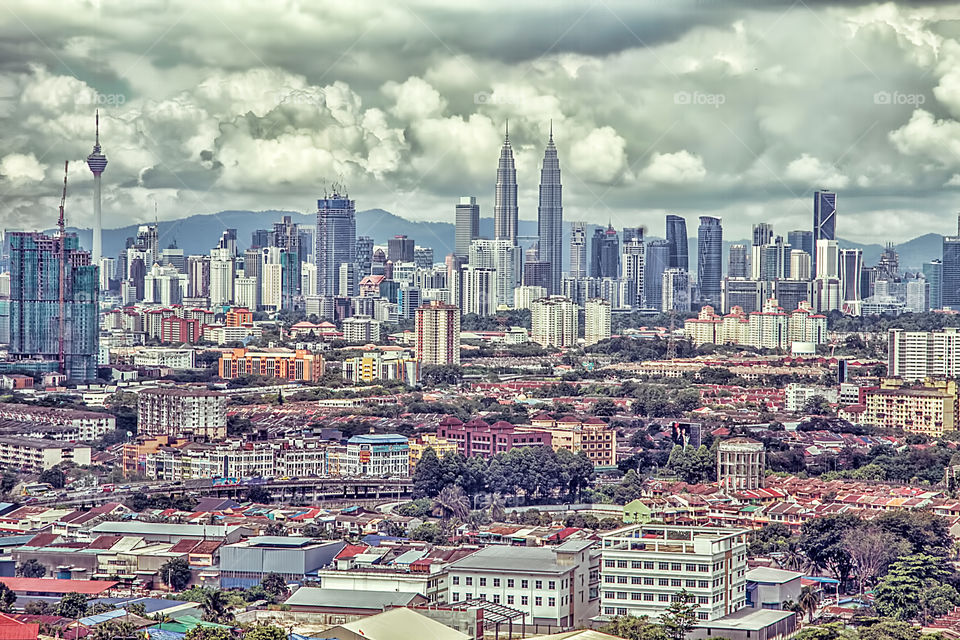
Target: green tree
x=208, y=633
x=871, y=550
x=7, y=598
x=925, y=531
x=822, y=540
x=265, y=632
x=427, y=480
x=900, y=594
x=889, y=630
x=275, y=585
x=31, y=569
x=452, y=504
x=54, y=476
x=139, y=501
x=113, y=630
x=259, y=494
x=176, y=573
x=604, y=407
x=807, y=602
x=8, y=482
x=72, y=605
x=634, y=628
x=215, y=606
x=817, y=406
x=680, y=617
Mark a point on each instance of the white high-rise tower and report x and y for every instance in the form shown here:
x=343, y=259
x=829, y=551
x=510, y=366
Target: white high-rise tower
x=97, y=163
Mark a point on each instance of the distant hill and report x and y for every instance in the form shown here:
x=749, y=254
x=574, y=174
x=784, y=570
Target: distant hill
x=198, y=233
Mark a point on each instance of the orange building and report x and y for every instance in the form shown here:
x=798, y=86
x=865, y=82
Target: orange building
x=134, y=456
x=300, y=365
x=239, y=317
x=593, y=436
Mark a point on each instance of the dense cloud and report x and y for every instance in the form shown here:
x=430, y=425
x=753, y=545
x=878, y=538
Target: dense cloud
x=732, y=109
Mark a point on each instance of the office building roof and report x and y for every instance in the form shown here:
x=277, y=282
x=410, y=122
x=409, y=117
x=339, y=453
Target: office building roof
x=509, y=558
x=774, y=576
x=348, y=598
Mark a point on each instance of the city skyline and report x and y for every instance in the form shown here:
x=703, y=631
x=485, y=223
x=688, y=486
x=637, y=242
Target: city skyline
x=195, y=131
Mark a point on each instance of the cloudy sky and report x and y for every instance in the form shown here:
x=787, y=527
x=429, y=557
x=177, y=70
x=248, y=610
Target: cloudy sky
x=737, y=109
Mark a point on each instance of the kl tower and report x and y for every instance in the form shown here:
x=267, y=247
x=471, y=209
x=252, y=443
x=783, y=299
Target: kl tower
x=97, y=163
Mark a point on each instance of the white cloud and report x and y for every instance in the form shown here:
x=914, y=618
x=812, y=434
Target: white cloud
x=600, y=156
x=808, y=170
x=20, y=168
x=681, y=167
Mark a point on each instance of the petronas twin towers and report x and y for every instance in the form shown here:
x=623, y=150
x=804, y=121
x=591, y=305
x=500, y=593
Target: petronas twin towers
x=549, y=213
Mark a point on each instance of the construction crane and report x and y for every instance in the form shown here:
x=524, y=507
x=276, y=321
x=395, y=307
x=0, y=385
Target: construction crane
x=63, y=256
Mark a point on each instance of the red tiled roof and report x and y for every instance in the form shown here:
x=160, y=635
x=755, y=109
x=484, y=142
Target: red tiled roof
x=52, y=585
x=350, y=551
x=104, y=542
x=206, y=547
x=43, y=540
x=185, y=546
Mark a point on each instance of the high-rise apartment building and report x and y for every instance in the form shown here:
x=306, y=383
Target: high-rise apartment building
x=438, y=334
x=505, y=202
x=917, y=355
x=710, y=259
x=504, y=257
x=675, y=290
x=632, y=269
x=550, y=215
x=801, y=265
x=400, y=249
x=851, y=262
x=762, y=236
x=467, y=225
x=336, y=240
x=677, y=237
x=578, y=250
x=554, y=322
x=801, y=241
x=364, y=259
x=478, y=288
x=596, y=321
x=36, y=324
x=198, y=415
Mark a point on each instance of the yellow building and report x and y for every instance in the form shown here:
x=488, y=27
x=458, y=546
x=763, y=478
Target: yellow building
x=382, y=363
x=930, y=409
x=440, y=446
x=593, y=436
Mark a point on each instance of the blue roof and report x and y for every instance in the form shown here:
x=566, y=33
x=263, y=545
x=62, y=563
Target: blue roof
x=90, y=621
x=150, y=605
x=378, y=438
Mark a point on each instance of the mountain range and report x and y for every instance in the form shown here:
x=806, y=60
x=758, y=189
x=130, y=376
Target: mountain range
x=196, y=234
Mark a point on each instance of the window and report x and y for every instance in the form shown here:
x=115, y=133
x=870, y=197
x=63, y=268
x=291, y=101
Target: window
x=636, y=564
x=703, y=584
x=538, y=585
x=621, y=611
x=608, y=610
x=635, y=580
x=703, y=600
x=648, y=564
x=483, y=582
x=663, y=597
x=635, y=595
x=496, y=598
x=524, y=584
x=496, y=582
x=609, y=579
x=538, y=601
x=551, y=602
x=663, y=582
x=510, y=583
x=609, y=563
x=691, y=567
x=621, y=579
x=663, y=566
x=690, y=583
x=469, y=581
x=456, y=597
x=648, y=581
x=524, y=601
x=704, y=616
x=456, y=579
x=675, y=582
x=648, y=597
x=551, y=585
x=509, y=599
x=482, y=596
x=675, y=566
x=621, y=564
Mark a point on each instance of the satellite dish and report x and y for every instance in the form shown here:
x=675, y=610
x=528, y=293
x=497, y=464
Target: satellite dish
x=129, y=434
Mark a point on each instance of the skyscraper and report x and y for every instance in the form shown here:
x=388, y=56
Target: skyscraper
x=802, y=240
x=656, y=262
x=950, y=281
x=677, y=237
x=933, y=272
x=739, y=262
x=550, y=215
x=36, y=274
x=97, y=163
x=632, y=268
x=762, y=236
x=467, y=225
x=505, y=203
x=286, y=236
x=364, y=256
x=503, y=256
x=824, y=219
x=675, y=290
x=605, y=253
x=578, y=250
x=710, y=259
x=336, y=240
x=851, y=262
x=400, y=249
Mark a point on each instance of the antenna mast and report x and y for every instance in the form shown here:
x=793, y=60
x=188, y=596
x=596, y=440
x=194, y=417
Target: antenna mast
x=63, y=254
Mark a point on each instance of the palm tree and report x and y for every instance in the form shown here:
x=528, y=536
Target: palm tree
x=215, y=606
x=451, y=502
x=497, y=510
x=807, y=602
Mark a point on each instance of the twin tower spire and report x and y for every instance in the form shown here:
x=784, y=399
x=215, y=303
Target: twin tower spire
x=549, y=213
